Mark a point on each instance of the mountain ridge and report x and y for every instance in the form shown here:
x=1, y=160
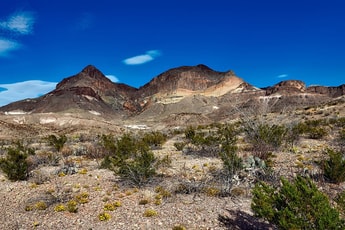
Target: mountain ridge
x=171, y=92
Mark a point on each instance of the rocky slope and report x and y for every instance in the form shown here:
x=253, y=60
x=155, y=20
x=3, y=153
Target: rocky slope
x=198, y=90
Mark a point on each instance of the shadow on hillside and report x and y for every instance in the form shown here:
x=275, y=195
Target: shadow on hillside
x=237, y=219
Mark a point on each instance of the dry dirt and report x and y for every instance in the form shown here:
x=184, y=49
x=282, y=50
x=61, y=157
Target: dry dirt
x=193, y=211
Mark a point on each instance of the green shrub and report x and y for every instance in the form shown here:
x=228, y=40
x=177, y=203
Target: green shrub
x=317, y=132
x=154, y=139
x=314, y=129
x=293, y=133
x=131, y=158
x=15, y=164
x=340, y=200
x=140, y=168
x=179, y=145
x=227, y=138
x=342, y=136
x=295, y=205
x=341, y=122
x=334, y=167
x=190, y=133
x=264, y=137
x=57, y=142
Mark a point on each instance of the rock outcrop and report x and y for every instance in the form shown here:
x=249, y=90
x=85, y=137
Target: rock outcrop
x=329, y=91
x=287, y=87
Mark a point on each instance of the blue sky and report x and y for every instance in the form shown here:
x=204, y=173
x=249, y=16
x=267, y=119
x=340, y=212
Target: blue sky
x=263, y=42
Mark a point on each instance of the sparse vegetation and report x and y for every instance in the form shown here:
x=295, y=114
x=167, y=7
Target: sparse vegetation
x=215, y=164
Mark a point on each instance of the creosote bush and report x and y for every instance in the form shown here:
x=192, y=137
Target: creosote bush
x=154, y=139
x=57, y=142
x=15, y=164
x=295, y=205
x=131, y=158
x=227, y=138
x=221, y=141
x=314, y=129
x=334, y=167
x=263, y=137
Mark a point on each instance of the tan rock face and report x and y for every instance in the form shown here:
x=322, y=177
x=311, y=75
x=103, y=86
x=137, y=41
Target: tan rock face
x=193, y=78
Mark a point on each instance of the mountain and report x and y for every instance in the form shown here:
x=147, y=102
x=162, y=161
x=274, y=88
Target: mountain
x=178, y=83
x=187, y=92
x=88, y=90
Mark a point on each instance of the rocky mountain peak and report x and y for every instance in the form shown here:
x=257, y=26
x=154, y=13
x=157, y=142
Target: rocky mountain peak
x=92, y=71
x=90, y=76
x=194, y=78
x=195, y=89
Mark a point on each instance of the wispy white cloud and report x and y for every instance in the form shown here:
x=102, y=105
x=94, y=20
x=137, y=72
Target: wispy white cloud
x=7, y=45
x=143, y=58
x=282, y=76
x=22, y=90
x=20, y=22
x=112, y=78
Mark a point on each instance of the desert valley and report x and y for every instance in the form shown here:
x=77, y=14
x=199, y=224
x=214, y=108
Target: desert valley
x=187, y=150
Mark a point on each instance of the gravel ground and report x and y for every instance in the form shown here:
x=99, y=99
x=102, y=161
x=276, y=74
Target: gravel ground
x=20, y=200
x=189, y=210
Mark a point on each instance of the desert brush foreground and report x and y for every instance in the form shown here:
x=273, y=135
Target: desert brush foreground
x=235, y=160
x=68, y=181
